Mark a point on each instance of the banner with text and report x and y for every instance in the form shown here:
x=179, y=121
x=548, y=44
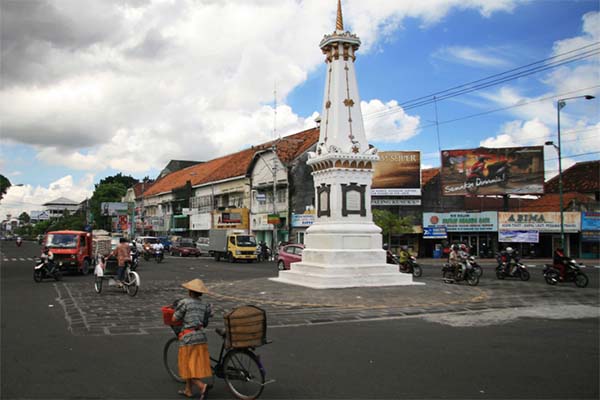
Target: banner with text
x=497, y=171
x=486, y=221
x=539, y=221
x=397, y=173
x=519, y=236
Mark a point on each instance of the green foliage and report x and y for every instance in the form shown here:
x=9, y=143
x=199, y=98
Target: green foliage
x=391, y=224
x=24, y=218
x=126, y=181
x=105, y=193
x=4, y=185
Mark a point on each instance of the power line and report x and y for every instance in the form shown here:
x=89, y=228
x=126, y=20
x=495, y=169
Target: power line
x=491, y=80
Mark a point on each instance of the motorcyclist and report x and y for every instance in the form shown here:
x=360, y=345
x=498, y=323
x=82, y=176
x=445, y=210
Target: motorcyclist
x=454, y=259
x=134, y=252
x=47, y=258
x=404, y=256
x=19, y=240
x=158, y=247
x=559, y=261
x=479, y=166
x=389, y=256
x=511, y=261
x=264, y=251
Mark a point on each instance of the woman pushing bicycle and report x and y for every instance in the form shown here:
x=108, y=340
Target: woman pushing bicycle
x=193, y=357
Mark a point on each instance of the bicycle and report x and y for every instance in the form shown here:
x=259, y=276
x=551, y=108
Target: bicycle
x=130, y=283
x=240, y=367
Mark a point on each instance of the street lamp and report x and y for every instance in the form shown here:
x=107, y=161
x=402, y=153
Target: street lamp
x=560, y=104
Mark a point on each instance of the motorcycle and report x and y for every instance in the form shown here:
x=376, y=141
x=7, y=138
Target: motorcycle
x=450, y=275
x=158, y=255
x=46, y=269
x=135, y=259
x=497, y=172
x=19, y=242
x=572, y=274
x=503, y=269
x=470, y=260
x=411, y=267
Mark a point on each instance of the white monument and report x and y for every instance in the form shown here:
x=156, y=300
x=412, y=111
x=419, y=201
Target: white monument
x=343, y=246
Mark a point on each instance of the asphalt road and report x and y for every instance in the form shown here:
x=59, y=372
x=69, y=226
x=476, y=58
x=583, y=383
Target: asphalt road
x=521, y=340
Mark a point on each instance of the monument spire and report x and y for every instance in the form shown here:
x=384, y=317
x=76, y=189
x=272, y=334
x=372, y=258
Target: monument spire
x=343, y=248
x=339, y=23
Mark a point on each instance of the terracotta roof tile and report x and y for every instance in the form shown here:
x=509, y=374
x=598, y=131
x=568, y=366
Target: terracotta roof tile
x=551, y=202
x=428, y=174
x=583, y=177
x=236, y=164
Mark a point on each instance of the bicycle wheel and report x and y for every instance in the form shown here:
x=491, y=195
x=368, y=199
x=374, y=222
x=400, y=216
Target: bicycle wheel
x=98, y=284
x=244, y=374
x=131, y=285
x=170, y=353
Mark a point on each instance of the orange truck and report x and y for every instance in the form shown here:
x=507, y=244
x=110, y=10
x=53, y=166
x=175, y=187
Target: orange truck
x=72, y=250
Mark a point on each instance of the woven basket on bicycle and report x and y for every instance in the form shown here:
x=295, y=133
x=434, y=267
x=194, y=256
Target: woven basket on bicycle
x=246, y=327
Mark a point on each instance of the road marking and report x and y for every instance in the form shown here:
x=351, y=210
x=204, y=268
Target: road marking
x=14, y=259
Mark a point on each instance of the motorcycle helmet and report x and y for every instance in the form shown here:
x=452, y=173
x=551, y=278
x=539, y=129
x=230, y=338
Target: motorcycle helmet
x=405, y=247
x=385, y=246
x=455, y=247
x=463, y=247
x=509, y=250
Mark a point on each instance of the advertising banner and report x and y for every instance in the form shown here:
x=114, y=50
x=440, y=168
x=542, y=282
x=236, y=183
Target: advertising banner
x=200, y=222
x=397, y=173
x=302, y=220
x=590, y=221
x=486, y=221
x=539, y=221
x=235, y=218
x=395, y=202
x=113, y=209
x=499, y=171
x=519, y=236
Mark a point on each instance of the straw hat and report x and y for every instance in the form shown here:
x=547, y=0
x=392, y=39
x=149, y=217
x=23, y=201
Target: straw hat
x=195, y=285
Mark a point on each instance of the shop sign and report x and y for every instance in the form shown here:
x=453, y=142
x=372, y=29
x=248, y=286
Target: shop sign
x=200, y=222
x=273, y=219
x=302, y=220
x=395, y=202
x=486, y=221
x=235, y=218
x=542, y=221
x=590, y=221
x=519, y=236
x=435, y=232
x=590, y=236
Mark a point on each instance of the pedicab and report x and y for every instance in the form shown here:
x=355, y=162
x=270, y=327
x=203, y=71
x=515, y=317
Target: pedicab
x=106, y=271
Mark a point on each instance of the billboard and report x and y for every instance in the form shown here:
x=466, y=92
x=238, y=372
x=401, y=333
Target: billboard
x=397, y=173
x=486, y=221
x=539, y=221
x=113, y=209
x=498, y=171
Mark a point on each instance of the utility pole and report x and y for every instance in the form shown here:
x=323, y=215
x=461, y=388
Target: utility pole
x=274, y=170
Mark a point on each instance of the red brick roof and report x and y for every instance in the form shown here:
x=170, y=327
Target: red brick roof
x=428, y=174
x=551, y=202
x=139, y=187
x=236, y=164
x=583, y=177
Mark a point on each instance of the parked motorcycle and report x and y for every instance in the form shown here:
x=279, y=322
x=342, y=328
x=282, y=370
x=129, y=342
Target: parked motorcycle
x=496, y=172
x=411, y=267
x=572, y=274
x=450, y=275
x=504, y=268
x=46, y=269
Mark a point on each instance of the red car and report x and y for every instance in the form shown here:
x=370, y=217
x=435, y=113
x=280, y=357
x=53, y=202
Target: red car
x=185, y=248
x=289, y=254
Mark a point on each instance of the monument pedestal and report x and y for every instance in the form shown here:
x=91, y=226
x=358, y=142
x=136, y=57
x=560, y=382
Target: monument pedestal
x=343, y=255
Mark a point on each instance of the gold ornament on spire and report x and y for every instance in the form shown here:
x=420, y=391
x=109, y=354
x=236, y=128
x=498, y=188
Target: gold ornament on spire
x=339, y=23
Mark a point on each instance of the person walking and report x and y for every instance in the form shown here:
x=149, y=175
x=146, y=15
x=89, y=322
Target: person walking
x=193, y=357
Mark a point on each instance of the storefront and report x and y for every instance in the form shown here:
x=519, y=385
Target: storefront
x=263, y=230
x=590, y=234
x=476, y=230
x=537, y=234
x=300, y=223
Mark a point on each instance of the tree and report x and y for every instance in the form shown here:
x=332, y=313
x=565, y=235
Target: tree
x=391, y=223
x=24, y=218
x=4, y=185
x=127, y=181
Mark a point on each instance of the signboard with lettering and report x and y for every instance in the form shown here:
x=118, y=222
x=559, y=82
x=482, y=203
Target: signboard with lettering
x=435, y=232
x=590, y=221
x=113, y=208
x=493, y=171
x=486, y=221
x=519, y=236
x=235, y=218
x=200, y=222
x=539, y=221
x=397, y=173
x=302, y=220
x=395, y=202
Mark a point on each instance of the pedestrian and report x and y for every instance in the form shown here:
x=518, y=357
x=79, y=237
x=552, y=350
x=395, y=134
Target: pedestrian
x=123, y=255
x=193, y=358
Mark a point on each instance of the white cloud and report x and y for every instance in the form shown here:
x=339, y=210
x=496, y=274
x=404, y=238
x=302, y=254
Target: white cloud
x=388, y=122
x=28, y=198
x=471, y=56
x=131, y=84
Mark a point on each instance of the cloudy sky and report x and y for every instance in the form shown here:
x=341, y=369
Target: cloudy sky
x=92, y=88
